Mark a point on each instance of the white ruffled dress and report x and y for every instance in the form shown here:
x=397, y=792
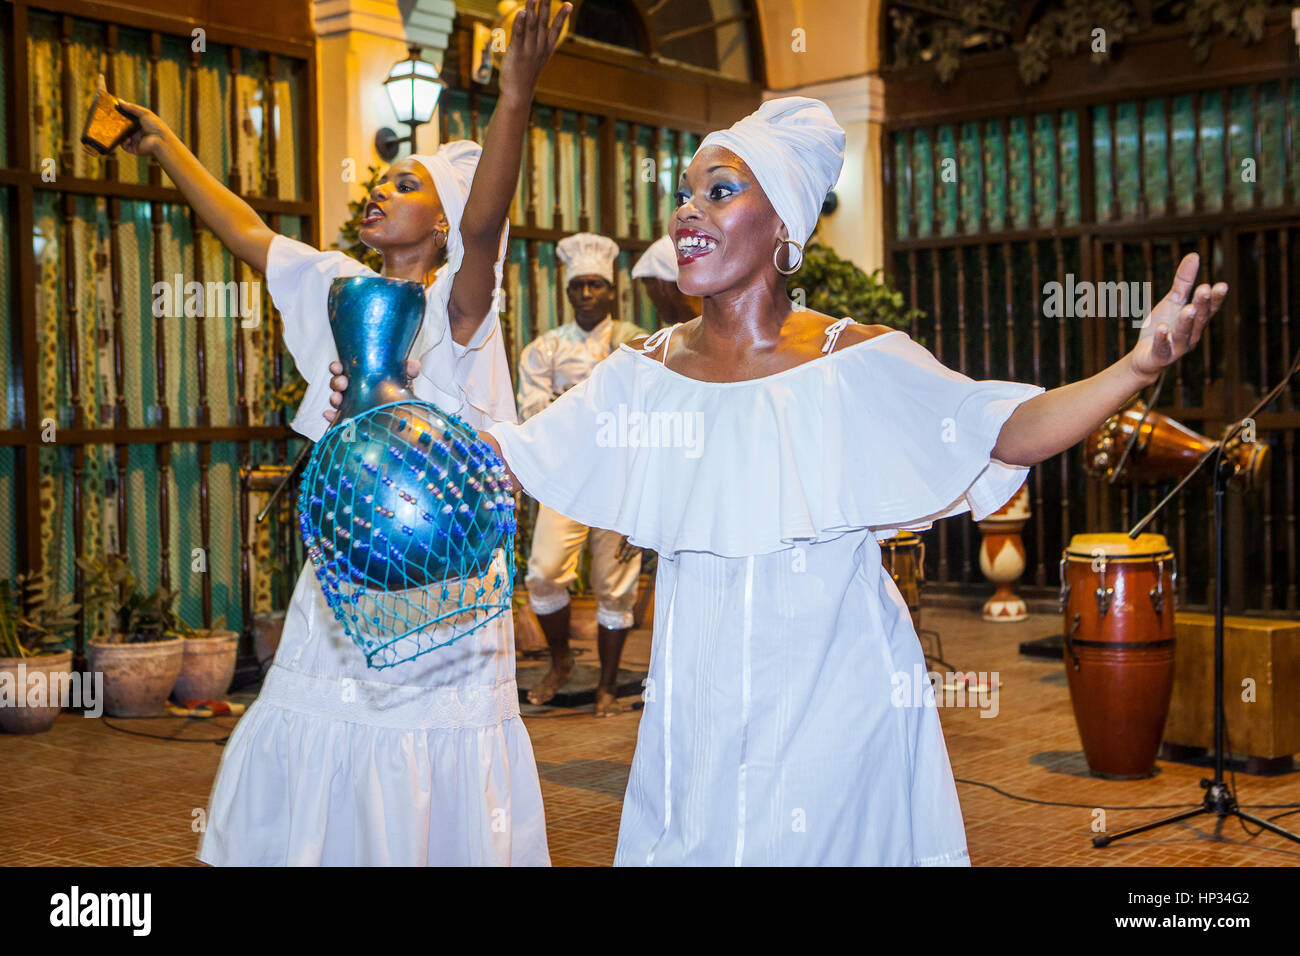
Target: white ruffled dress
x=425, y=763
x=769, y=734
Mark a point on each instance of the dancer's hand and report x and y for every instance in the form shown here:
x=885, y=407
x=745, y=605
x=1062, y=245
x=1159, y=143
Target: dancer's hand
x=339, y=384
x=153, y=132
x=1175, y=325
x=533, y=39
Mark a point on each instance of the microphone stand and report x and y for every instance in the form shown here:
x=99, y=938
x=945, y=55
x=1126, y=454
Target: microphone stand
x=1218, y=799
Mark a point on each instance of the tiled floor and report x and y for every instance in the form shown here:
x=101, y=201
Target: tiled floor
x=86, y=794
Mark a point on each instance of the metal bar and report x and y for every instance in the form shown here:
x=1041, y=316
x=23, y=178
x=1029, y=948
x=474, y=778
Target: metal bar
x=584, y=214
x=557, y=127
x=268, y=128
x=530, y=183
x=1059, y=218
x=1287, y=401
x=634, y=145
x=1114, y=162
x=1170, y=206
x=1141, y=168
x=1064, y=457
x=986, y=309
x=938, y=353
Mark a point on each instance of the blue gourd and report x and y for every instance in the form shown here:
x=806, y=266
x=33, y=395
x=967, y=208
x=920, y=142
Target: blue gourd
x=408, y=516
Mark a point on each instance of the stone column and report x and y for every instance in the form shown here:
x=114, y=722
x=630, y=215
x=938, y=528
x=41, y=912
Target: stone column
x=358, y=42
x=856, y=229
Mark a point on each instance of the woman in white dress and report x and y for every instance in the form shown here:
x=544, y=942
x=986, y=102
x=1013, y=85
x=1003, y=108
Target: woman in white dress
x=761, y=450
x=426, y=762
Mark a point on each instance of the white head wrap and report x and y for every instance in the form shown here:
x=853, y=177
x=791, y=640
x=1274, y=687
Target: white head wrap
x=452, y=169
x=479, y=371
x=658, y=262
x=796, y=150
x=587, y=254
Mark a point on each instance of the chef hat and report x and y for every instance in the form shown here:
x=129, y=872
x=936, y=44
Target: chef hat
x=658, y=262
x=796, y=150
x=587, y=254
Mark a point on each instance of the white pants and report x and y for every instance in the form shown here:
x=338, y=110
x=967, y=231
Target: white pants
x=553, y=565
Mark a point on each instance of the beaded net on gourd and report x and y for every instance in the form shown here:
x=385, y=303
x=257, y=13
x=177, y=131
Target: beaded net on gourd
x=409, y=520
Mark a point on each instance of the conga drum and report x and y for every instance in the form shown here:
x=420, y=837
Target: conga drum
x=904, y=558
x=1118, y=597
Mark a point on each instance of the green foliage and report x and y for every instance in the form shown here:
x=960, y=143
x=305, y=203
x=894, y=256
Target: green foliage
x=1067, y=27
x=837, y=287
x=351, y=231
x=137, y=617
x=946, y=29
x=31, y=622
x=1243, y=19
x=290, y=394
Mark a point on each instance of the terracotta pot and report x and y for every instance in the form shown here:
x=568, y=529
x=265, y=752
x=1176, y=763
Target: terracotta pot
x=25, y=719
x=137, y=677
x=208, y=666
x=267, y=628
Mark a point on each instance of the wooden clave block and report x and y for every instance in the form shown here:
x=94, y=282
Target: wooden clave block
x=1265, y=650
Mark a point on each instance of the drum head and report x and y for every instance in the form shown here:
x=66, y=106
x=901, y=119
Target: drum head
x=1117, y=546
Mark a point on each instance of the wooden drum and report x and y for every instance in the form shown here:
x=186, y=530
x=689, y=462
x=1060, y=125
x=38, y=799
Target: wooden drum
x=1165, y=450
x=1118, y=597
x=904, y=558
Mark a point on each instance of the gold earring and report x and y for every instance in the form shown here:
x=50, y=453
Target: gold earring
x=776, y=257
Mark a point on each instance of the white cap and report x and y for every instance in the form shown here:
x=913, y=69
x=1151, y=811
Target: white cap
x=658, y=262
x=587, y=254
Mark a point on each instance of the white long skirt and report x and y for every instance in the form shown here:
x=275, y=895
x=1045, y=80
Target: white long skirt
x=773, y=733
x=424, y=764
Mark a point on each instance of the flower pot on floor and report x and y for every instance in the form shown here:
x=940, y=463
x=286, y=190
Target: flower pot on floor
x=137, y=677
x=208, y=666
x=27, y=719
x=267, y=628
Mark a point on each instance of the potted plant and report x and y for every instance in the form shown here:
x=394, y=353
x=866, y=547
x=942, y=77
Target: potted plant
x=838, y=287
x=141, y=656
x=33, y=629
x=208, y=665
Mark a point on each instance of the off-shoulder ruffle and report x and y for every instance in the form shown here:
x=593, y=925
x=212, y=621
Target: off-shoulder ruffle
x=877, y=435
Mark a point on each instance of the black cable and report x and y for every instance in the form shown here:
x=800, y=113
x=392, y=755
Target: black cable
x=173, y=737
x=1057, y=803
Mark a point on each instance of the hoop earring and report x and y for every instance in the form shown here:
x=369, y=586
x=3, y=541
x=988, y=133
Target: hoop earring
x=776, y=257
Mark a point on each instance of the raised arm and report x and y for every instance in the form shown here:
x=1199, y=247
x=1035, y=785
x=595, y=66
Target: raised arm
x=532, y=41
x=1049, y=423
x=233, y=221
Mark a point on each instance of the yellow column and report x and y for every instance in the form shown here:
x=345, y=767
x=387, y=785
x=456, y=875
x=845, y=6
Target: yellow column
x=358, y=42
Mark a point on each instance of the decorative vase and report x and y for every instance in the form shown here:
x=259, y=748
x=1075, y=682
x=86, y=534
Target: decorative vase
x=24, y=715
x=207, y=667
x=1002, y=557
x=407, y=515
x=137, y=677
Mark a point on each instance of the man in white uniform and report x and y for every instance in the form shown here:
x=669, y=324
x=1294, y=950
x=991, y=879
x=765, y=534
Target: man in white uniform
x=656, y=270
x=550, y=365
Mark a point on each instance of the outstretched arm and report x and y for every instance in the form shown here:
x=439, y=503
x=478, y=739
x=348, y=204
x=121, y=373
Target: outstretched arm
x=1049, y=423
x=240, y=229
x=532, y=41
